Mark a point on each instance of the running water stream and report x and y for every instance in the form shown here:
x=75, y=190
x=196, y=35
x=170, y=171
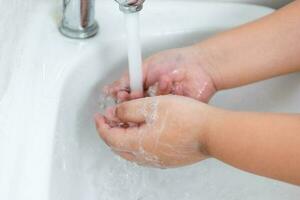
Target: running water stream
x=134, y=52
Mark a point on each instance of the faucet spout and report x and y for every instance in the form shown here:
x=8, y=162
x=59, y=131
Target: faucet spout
x=130, y=6
x=78, y=20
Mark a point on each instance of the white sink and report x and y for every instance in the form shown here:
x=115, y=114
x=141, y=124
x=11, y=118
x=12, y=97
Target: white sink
x=50, y=149
x=4, y=80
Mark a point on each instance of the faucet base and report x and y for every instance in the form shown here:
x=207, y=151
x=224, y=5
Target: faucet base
x=79, y=33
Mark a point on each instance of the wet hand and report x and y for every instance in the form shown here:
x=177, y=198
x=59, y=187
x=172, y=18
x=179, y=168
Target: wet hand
x=165, y=131
x=177, y=71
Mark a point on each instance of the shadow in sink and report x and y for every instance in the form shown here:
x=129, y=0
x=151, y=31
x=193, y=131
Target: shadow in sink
x=84, y=168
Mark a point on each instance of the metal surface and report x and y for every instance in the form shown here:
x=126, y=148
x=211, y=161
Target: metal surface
x=78, y=19
x=130, y=6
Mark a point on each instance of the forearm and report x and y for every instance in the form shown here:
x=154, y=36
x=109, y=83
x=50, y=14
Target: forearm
x=264, y=144
x=259, y=50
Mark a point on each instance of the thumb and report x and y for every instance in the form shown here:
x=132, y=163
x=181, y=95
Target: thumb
x=134, y=111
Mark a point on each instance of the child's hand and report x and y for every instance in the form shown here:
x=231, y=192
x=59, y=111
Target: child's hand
x=165, y=131
x=177, y=71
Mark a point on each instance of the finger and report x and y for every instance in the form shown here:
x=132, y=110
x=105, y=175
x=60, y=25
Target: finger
x=136, y=94
x=151, y=73
x=110, y=117
x=110, y=114
x=113, y=88
x=124, y=82
x=117, y=138
x=132, y=111
x=102, y=126
x=123, y=96
x=120, y=85
x=178, y=74
x=165, y=85
x=126, y=155
x=177, y=89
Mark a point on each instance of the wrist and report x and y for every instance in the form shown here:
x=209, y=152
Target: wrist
x=208, y=59
x=216, y=124
x=204, y=126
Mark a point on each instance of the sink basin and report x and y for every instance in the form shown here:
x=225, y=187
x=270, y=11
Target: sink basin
x=55, y=152
x=4, y=80
x=11, y=47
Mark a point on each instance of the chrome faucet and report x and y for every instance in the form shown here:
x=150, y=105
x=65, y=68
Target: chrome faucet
x=78, y=19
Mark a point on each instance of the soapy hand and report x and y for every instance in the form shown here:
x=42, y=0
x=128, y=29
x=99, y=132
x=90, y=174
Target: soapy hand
x=164, y=131
x=177, y=71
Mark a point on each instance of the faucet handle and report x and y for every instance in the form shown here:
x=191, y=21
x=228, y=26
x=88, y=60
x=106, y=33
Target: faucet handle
x=130, y=6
